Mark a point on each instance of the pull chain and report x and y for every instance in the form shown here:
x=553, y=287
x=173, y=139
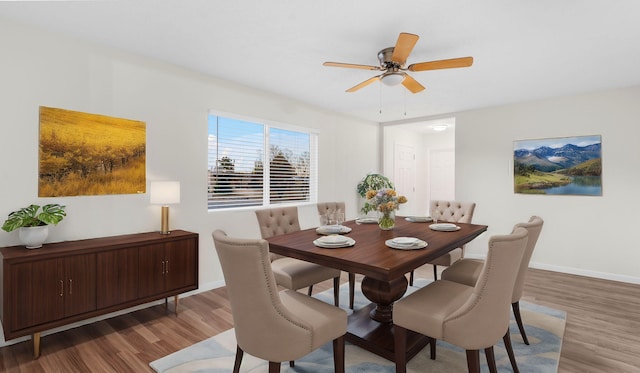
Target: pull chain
x=405, y=101
x=380, y=96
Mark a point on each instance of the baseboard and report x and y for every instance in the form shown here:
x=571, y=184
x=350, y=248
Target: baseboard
x=587, y=273
x=576, y=271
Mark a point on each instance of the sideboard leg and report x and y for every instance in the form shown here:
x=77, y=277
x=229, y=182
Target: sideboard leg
x=175, y=301
x=35, y=337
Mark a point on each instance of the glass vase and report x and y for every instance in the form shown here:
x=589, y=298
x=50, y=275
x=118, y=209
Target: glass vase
x=387, y=220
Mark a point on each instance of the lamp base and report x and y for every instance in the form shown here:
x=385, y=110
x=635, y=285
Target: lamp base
x=165, y=221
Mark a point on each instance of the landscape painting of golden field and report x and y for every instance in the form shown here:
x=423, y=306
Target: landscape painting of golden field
x=85, y=154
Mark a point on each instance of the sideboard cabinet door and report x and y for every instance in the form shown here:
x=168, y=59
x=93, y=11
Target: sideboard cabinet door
x=49, y=290
x=181, y=263
x=151, y=270
x=80, y=284
x=167, y=267
x=117, y=277
x=36, y=293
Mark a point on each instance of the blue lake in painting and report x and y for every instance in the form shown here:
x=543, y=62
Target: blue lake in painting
x=582, y=185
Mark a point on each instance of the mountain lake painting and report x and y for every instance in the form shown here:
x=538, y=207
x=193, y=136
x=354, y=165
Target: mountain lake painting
x=566, y=165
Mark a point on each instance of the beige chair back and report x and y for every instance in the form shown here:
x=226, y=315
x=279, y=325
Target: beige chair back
x=533, y=227
x=452, y=211
x=484, y=318
x=263, y=326
x=329, y=207
x=277, y=221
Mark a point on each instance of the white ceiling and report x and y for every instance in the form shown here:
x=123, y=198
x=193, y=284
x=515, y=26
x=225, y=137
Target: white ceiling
x=523, y=50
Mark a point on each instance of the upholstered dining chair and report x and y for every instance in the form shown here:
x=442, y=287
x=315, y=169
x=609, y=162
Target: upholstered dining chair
x=472, y=318
x=293, y=273
x=271, y=325
x=331, y=207
x=467, y=271
x=449, y=212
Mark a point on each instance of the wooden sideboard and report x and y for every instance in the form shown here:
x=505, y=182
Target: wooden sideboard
x=66, y=282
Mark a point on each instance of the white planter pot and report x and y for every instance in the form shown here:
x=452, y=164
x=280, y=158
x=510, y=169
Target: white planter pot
x=33, y=237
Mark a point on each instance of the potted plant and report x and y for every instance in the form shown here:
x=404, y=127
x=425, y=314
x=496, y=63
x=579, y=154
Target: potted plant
x=371, y=182
x=33, y=222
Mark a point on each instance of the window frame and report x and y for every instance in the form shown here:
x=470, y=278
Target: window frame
x=267, y=125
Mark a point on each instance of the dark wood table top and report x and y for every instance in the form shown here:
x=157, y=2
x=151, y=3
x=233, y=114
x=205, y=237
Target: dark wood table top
x=370, y=256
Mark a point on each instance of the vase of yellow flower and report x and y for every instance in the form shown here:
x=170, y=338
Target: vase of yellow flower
x=386, y=201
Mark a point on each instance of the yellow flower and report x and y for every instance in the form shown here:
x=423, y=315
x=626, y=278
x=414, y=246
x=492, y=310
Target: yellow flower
x=402, y=199
x=391, y=192
x=371, y=194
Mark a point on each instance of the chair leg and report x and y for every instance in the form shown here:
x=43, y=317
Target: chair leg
x=239, y=354
x=512, y=357
x=491, y=359
x=411, y=279
x=336, y=291
x=516, y=312
x=400, y=342
x=310, y=290
x=435, y=272
x=338, y=355
x=352, y=289
x=432, y=347
x=274, y=367
x=473, y=361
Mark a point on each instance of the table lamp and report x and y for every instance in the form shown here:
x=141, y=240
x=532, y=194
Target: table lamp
x=165, y=193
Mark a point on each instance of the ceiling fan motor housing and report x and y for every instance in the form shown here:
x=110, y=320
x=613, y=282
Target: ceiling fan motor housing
x=384, y=56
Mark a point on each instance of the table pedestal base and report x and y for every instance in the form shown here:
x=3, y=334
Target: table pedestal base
x=377, y=337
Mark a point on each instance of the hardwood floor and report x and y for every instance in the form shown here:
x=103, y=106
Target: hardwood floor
x=602, y=331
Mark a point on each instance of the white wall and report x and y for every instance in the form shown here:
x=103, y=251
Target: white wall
x=582, y=234
x=40, y=68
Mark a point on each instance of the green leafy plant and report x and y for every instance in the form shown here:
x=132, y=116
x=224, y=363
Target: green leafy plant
x=372, y=182
x=33, y=216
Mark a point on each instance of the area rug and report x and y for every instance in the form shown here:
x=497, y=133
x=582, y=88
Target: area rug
x=544, y=327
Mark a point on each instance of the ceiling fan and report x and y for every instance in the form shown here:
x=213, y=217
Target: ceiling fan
x=392, y=62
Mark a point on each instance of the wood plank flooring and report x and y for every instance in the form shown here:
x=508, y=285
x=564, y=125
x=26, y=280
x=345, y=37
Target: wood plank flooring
x=602, y=331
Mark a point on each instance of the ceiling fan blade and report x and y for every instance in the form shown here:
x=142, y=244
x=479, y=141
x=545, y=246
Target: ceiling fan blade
x=351, y=66
x=442, y=64
x=364, y=84
x=403, y=47
x=412, y=84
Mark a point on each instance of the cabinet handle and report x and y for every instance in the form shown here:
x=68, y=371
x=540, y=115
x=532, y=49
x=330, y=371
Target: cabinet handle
x=70, y=286
x=163, y=267
x=61, y=288
x=167, y=267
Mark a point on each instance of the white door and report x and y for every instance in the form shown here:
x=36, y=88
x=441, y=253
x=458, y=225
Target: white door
x=442, y=174
x=404, y=174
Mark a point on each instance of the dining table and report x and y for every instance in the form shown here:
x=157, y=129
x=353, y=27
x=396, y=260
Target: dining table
x=384, y=269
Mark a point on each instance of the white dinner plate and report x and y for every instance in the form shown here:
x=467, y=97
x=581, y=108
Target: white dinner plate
x=367, y=221
x=333, y=239
x=419, y=219
x=327, y=244
x=404, y=241
x=418, y=244
x=333, y=229
x=444, y=227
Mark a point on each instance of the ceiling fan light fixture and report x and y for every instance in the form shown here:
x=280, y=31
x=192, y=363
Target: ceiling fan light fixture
x=392, y=78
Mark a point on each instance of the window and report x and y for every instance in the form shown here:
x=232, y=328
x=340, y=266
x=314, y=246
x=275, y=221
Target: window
x=258, y=164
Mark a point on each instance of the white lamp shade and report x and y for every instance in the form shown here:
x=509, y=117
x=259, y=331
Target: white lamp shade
x=393, y=78
x=165, y=192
